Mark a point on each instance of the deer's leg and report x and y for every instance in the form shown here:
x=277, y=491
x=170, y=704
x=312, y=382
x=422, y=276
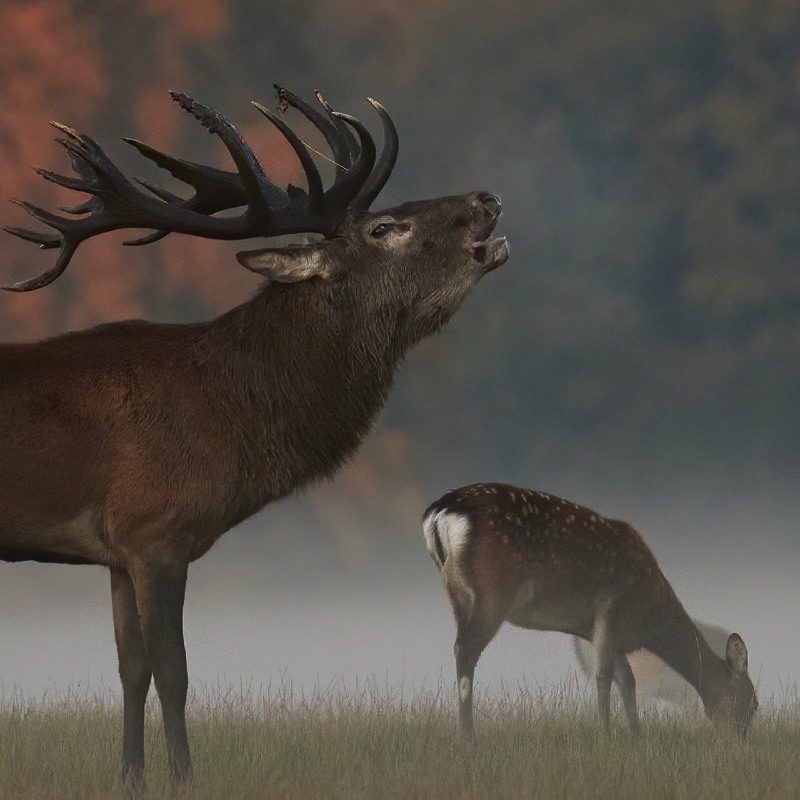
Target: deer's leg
x=160, y=591
x=626, y=683
x=475, y=630
x=134, y=672
x=605, y=662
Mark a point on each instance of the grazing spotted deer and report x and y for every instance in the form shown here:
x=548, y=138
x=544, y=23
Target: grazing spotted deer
x=654, y=679
x=136, y=446
x=543, y=563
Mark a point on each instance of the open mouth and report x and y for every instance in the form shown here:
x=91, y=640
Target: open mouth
x=491, y=253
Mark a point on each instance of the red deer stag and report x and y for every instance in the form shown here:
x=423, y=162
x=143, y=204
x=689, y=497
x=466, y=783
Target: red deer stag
x=136, y=446
x=544, y=563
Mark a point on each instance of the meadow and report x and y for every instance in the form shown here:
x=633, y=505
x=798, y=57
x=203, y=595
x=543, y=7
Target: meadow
x=377, y=742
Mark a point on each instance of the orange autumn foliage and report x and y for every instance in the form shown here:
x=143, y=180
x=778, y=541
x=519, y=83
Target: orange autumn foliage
x=193, y=19
x=55, y=64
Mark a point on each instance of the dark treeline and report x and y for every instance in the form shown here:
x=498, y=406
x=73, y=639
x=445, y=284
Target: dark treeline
x=646, y=332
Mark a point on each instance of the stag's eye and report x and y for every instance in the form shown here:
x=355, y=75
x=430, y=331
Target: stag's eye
x=381, y=229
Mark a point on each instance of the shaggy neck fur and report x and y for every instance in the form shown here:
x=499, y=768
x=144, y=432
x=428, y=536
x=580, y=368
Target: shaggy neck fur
x=301, y=385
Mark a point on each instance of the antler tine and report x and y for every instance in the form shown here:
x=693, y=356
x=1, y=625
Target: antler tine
x=168, y=197
x=116, y=202
x=46, y=241
x=159, y=192
x=80, y=208
x=344, y=131
x=256, y=183
x=68, y=247
x=345, y=189
x=76, y=184
x=90, y=161
x=338, y=142
x=97, y=172
x=70, y=234
x=155, y=236
x=196, y=203
x=53, y=220
x=385, y=164
x=315, y=194
x=215, y=189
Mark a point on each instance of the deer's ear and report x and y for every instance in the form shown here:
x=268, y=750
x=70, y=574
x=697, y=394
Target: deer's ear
x=736, y=654
x=286, y=264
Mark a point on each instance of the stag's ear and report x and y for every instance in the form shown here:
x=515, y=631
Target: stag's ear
x=286, y=264
x=736, y=654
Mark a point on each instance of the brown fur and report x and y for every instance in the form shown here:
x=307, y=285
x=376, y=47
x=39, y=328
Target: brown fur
x=654, y=679
x=540, y=562
x=135, y=445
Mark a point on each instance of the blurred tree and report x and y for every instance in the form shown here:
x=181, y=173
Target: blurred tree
x=647, y=330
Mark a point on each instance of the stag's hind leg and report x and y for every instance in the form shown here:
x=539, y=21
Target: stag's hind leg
x=134, y=672
x=626, y=683
x=160, y=590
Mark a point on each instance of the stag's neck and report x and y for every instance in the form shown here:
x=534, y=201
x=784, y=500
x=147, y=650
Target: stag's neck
x=301, y=377
x=675, y=639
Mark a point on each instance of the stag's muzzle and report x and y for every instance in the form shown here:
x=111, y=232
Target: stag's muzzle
x=489, y=253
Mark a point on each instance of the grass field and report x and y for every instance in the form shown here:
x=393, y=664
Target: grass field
x=372, y=743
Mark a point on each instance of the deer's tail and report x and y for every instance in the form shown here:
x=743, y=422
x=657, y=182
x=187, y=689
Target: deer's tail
x=446, y=531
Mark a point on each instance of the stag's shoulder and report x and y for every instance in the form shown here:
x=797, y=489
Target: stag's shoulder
x=108, y=337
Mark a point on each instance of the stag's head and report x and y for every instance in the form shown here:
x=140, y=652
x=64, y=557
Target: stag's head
x=730, y=697
x=415, y=262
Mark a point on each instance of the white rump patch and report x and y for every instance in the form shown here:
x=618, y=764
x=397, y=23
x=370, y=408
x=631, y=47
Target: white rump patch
x=464, y=687
x=453, y=530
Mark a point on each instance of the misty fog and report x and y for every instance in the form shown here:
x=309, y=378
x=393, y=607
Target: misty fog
x=639, y=353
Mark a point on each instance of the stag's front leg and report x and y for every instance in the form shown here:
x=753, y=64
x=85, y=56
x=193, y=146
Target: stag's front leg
x=160, y=591
x=134, y=672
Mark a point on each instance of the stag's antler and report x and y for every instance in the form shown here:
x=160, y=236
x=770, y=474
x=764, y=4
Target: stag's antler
x=268, y=211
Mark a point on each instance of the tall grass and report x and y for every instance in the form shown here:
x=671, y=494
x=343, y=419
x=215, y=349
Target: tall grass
x=375, y=742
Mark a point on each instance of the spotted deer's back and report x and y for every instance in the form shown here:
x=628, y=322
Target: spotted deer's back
x=559, y=545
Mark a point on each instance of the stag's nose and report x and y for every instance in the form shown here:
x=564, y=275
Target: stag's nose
x=491, y=202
